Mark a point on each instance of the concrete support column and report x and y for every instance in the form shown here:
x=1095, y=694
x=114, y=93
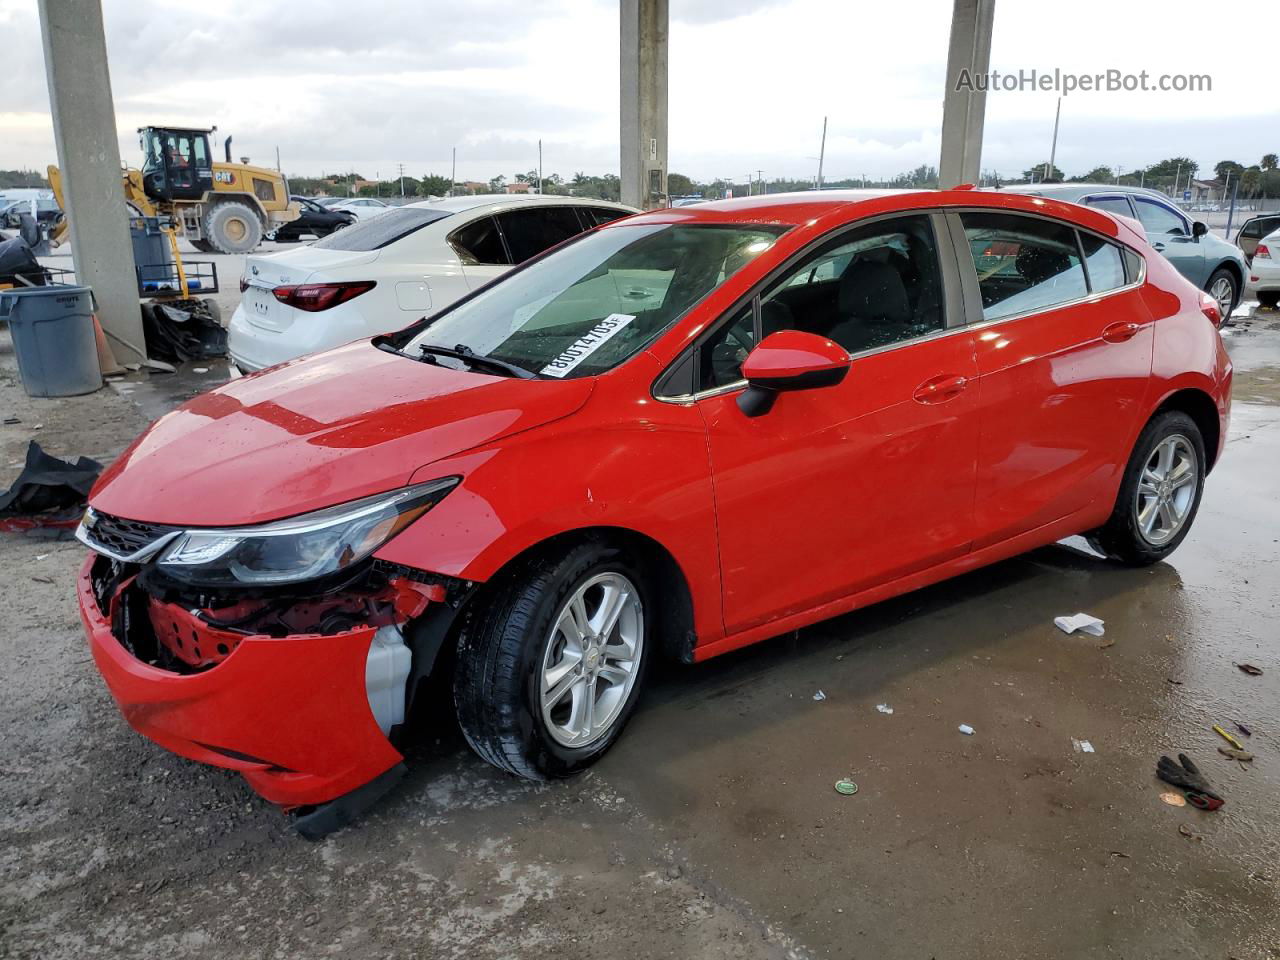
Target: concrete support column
x=964, y=105
x=84, y=127
x=644, y=103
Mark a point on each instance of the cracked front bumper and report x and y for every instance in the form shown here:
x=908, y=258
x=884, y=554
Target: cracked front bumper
x=291, y=714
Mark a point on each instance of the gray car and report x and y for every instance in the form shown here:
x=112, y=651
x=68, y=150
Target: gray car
x=1211, y=263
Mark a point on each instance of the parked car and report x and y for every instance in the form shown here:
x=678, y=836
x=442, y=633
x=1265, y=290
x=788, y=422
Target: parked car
x=47, y=211
x=363, y=207
x=329, y=201
x=312, y=219
x=817, y=401
x=1253, y=230
x=384, y=273
x=1264, y=271
x=1211, y=263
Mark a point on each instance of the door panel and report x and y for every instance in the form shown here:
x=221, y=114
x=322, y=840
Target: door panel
x=1169, y=233
x=1061, y=387
x=840, y=488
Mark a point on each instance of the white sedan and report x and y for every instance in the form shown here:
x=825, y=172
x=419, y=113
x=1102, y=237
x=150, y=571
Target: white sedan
x=383, y=273
x=363, y=207
x=1264, y=271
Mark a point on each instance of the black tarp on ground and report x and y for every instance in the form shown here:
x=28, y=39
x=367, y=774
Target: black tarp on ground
x=182, y=331
x=16, y=257
x=49, y=485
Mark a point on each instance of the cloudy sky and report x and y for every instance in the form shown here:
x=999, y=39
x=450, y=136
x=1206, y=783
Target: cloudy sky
x=340, y=85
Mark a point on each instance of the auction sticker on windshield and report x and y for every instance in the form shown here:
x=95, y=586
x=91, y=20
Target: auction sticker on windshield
x=587, y=344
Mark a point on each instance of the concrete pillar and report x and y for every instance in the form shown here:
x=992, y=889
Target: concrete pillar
x=84, y=127
x=644, y=103
x=964, y=105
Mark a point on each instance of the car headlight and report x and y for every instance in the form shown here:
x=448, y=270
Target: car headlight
x=300, y=548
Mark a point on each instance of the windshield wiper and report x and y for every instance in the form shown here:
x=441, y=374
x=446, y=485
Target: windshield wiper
x=467, y=355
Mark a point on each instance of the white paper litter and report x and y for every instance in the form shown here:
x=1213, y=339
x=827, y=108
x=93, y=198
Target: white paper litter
x=966, y=730
x=884, y=708
x=1082, y=622
x=819, y=695
x=1082, y=746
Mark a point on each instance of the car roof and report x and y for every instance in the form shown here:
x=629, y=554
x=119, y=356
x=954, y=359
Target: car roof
x=827, y=209
x=497, y=201
x=1068, y=190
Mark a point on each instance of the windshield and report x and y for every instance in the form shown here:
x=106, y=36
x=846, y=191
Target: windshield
x=376, y=232
x=593, y=304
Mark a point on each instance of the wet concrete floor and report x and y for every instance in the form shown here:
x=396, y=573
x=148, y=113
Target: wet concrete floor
x=713, y=829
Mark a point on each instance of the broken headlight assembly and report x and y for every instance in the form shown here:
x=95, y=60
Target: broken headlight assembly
x=300, y=548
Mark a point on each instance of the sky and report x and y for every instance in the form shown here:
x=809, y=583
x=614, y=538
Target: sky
x=340, y=86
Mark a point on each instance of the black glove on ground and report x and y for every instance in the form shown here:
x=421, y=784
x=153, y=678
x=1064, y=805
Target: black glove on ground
x=1187, y=776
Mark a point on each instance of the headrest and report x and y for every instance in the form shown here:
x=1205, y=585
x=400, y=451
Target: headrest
x=873, y=291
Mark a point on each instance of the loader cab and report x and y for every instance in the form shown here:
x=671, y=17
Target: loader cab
x=177, y=164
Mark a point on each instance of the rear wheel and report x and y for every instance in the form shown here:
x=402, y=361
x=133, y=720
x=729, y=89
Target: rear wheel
x=1159, y=495
x=232, y=227
x=550, y=668
x=1225, y=291
x=1269, y=298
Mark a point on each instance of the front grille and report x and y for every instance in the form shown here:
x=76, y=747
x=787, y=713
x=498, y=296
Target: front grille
x=118, y=537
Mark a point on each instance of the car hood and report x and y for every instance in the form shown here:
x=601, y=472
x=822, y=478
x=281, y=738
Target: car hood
x=319, y=431
x=297, y=266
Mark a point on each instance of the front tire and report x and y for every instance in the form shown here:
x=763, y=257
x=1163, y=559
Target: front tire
x=232, y=227
x=551, y=663
x=1159, y=494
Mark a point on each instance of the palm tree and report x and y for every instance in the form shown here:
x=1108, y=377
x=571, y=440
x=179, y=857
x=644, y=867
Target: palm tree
x=1269, y=161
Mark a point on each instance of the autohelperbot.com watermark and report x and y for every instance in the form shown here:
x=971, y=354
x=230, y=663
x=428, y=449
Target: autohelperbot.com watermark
x=1065, y=82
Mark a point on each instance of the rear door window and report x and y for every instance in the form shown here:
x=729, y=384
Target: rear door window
x=377, y=232
x=530, y=231
x=1024, y=264
x=1117, y=205
x=479, y=242
x=1104, y=263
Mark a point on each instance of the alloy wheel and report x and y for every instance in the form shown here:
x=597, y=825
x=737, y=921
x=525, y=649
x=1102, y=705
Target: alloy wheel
x=1167, y=489
x=592, y=659
x=1223, y=292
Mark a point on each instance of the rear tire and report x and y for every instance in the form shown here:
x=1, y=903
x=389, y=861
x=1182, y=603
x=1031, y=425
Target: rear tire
x=1269, y=298
x=1159, y=494
x=539, y=646
x=232, y=227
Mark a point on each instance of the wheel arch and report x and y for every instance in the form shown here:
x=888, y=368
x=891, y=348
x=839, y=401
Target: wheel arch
x=1201, y=408
x=1237, y=273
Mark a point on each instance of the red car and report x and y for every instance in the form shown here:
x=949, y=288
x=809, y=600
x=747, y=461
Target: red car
x=676, y=435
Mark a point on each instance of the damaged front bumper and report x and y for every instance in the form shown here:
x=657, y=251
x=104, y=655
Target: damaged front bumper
x=305, y=716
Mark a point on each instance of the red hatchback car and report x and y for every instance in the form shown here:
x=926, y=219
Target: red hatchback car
x=684, y=432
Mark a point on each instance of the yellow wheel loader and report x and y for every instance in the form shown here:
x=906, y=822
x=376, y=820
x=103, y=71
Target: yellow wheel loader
x=221, y=207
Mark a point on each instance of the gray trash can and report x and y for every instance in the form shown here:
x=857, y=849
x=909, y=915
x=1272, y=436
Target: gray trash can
x=53, y=339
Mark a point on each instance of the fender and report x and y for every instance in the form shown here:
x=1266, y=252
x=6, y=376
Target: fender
x=648, y=473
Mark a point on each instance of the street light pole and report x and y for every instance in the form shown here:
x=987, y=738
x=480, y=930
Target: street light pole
x=1053, y=149
x=822, y=151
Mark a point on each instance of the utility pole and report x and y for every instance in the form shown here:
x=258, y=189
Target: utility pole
x=539, y=166
x=644, y=30
x=822, y=151
x=401, y=179
x=453, y=172
x=1178, y=177
x=760, y=181
x=84, y=130
x=964, y=104
x=278, y=170
x=1053, y=149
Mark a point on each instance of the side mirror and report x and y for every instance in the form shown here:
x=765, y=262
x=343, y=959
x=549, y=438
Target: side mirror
x=1199, y=228
x=789, y=360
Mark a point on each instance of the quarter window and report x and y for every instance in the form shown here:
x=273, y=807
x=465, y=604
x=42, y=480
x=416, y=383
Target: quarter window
x=1157, y=218
x=1023, y=263
x=479, y=243
x=1104, y=263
